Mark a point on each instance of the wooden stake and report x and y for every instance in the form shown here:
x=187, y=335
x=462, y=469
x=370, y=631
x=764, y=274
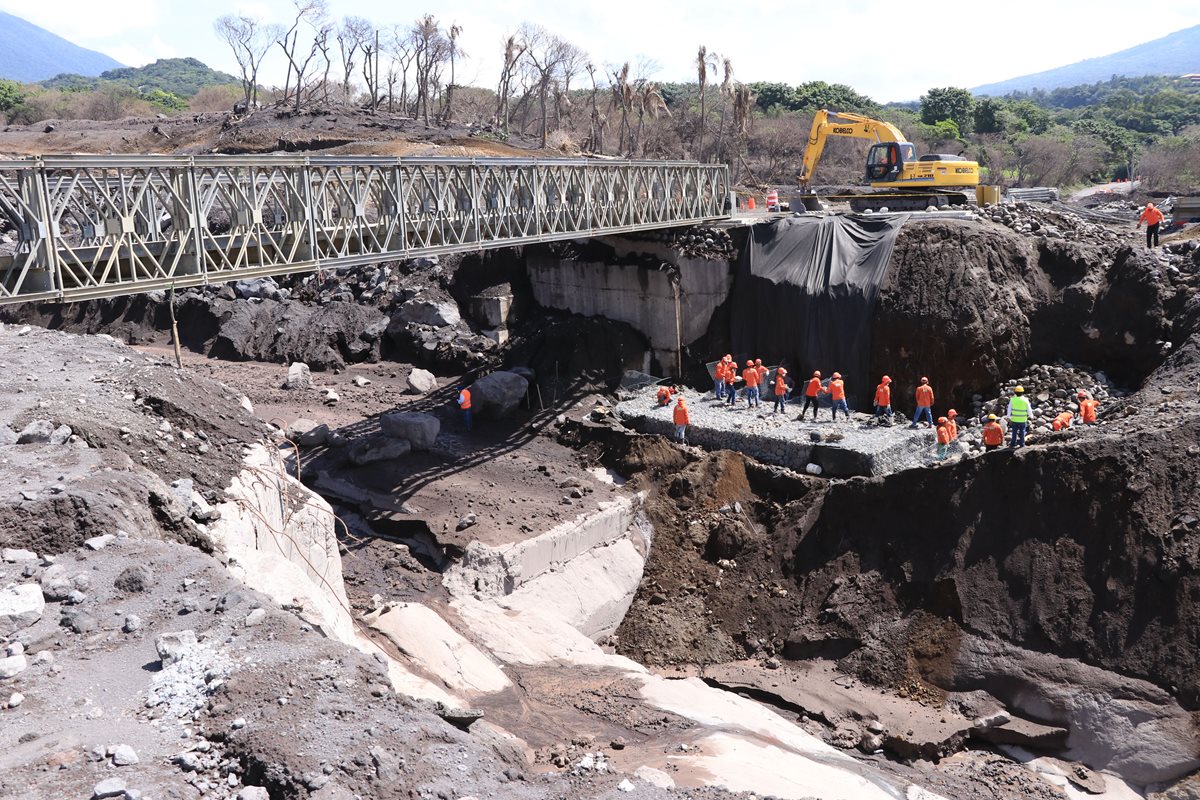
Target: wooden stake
x=175, y=331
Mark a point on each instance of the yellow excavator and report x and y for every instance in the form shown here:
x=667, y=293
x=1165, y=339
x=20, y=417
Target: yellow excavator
x=910, y=183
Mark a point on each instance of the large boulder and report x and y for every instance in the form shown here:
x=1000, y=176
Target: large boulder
x=418, y=429
x=36, y=432
x=299, y=376
x=371, y=449
x=308, y=433
x=434, y=311
x=20, y=607
x=498, y=394
x=422, y=381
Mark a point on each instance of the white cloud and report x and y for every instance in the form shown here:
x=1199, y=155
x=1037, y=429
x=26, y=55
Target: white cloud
x=142, y=53
x=86, y=21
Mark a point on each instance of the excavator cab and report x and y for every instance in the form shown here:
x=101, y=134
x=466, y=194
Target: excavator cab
x=885, y=161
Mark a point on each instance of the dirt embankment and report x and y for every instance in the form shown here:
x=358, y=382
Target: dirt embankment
x=969, y=303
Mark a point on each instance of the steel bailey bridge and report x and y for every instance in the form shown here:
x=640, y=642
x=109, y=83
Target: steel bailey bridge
x=81, y=227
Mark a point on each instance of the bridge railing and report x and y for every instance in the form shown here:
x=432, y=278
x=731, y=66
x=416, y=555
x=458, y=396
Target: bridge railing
x=93, y=226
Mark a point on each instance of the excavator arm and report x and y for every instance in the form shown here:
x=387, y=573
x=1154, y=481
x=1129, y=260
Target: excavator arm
x=831, y=123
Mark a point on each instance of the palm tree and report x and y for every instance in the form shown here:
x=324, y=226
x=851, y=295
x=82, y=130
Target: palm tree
x=704, y=62
x=649, y=100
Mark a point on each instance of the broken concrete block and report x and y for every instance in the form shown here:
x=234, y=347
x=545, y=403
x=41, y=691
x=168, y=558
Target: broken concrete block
x=371, y=449
x=299, y=376
x=174, y=647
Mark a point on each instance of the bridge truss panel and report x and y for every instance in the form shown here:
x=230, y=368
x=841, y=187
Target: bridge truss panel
x=94, y=226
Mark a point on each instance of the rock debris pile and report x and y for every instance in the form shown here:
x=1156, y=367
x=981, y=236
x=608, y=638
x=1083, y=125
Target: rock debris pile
x=710, y=243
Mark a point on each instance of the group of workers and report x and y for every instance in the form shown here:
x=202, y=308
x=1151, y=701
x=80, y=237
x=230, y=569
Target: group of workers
x=754, y=375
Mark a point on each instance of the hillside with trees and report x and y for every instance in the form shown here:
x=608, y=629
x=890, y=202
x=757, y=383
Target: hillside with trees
x=182, y=77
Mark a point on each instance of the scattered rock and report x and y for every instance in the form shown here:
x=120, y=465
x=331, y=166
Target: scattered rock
x=360, y=381
x=422, y=311
x=625, y=785
x=422, y=381
x=498, y=394
x=132, y=623
x=124, y=756
x=20, y=607
x=253, y=793
x=371, y=449
x=15, y=699
x=36, y=432
x=135, y=579
x=420, y=430
x=12, y=666
x=331, y=398
x=12, y=556
x=61, y=434
x=255, y=617
x=109, y=787
x=466, y=522
x=78, y=621
x=100, y=542
x=299, y=376
x=173, y=647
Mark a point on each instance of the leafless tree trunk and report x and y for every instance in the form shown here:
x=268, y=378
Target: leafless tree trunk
x=249, y=40
x=454, y=50
x=311, y=13
x=514, y=48
x=352, y=35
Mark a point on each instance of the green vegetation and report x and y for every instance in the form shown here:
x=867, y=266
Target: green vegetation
x=178, y=77
x=12, y=94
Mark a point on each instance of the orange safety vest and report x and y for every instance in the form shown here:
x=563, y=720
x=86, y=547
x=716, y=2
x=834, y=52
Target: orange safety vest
x=664, y=395
x=762, y=374
x=925, y=395
x=1063, y=420
x=814, y=387
x=837, y=389
x=780, y=385
x=1087, y=410
x=721, y=369
x=464, y=402
x=1151, y=216
x=681, y=414
x=953, y=426
x=883, y=395
x=751, y=376
x=943, y=434
x=993, y=434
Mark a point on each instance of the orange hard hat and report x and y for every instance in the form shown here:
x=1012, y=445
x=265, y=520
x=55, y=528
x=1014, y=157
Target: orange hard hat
x=783, y=370
x=728, y=357
x=1083, y=394
x=837, y=376
x=952, y=413
x=886, y=379
x=924, y=380
x=680, y=400
x=816, y=373
x=942, y=420
x=757, y=361
x=749, y=363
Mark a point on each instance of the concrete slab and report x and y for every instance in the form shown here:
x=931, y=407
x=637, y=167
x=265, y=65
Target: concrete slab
x=437, y=649
x=847, y=448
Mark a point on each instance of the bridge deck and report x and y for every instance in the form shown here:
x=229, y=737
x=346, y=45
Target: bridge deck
x=98, y=226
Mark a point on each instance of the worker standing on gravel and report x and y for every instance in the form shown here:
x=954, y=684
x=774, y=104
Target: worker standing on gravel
x=811, y=390
x=781, y=391
x=943, y=438
x=993, y=434
x=1018, y=416
x=952, y=424
x=1088, y=408
x=837, y=391
x=752, y=377
x=681, y=420
x=762, y=372
x=883, y=401
x=719, y=376
x=924, y=397
x=731, y=379
x=464, y=403
x=1153, y=218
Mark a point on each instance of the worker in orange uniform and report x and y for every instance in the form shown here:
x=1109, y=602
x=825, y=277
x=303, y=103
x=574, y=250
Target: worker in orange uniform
x=664, y=395
x=719, y=376
x=943, y=438
x=812, y=390
x=1088, y=409
x=952, y=424
x=924, y=403
x=883, y=401
x=993, y=433
x=731, y=379
x=762, y=372
x=837, y=391
x=681, y=420
x=1153, y=218
x=753, y=378
x=1062, y=421
x=464, y=404
x=781, y=391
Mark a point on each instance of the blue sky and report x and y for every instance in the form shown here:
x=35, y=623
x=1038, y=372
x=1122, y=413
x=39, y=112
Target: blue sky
x=869, y=44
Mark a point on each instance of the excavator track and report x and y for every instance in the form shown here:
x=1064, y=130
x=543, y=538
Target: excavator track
x=908, y=200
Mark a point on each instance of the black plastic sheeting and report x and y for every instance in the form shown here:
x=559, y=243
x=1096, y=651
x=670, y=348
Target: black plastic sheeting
x=805, y=292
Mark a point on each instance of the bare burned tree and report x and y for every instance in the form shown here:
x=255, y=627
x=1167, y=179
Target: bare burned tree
x=402, y=51
x=454, y=51
x=545, y=55
x=514, y=49
x=431, y=52
x=370, y=68
x=595, y=140
x=249, y=40
x=309, y=14
x=622, y=100
x=352, y=34
x=705, y=63
x=649, y=100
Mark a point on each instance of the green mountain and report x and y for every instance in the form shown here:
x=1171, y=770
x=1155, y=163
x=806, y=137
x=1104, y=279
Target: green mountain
x=29, y=53
x=1175, y=54
x=182, y=77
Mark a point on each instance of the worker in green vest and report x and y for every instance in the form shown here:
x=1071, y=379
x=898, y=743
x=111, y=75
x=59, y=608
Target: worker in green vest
x=1018, y=416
